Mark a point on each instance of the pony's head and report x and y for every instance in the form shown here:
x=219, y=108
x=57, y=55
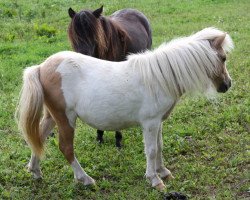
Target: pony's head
x=221, y=79
x=84, y=31
x=221, y=43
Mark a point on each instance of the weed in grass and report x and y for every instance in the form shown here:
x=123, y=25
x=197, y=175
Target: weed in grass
x=45, y=30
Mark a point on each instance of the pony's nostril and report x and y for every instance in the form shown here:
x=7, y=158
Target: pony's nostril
x=223, y=87
x=229, y=83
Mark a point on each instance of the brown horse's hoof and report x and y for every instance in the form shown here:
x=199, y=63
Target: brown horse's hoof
x=160, y=187
x=168, y=177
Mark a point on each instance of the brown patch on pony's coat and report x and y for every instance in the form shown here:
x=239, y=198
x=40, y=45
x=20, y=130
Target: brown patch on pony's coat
x=51, y=83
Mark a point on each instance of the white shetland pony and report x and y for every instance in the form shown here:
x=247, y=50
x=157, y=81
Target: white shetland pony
x=116, y=95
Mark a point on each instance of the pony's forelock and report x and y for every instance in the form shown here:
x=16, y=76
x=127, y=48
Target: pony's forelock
x=228, y=44
x=211, y=33
x=76, y=31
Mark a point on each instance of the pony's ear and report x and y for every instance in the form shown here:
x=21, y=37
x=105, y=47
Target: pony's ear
x=71, y=12
x=217, y=42
x=98, y=12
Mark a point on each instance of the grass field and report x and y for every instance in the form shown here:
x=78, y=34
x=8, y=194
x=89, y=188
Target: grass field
x=206, y=143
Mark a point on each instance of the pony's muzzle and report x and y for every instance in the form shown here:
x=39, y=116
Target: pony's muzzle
x=224, y=86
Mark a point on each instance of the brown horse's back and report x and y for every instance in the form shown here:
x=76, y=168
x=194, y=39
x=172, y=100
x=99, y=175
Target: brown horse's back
x=136, y=25
x=110, y=38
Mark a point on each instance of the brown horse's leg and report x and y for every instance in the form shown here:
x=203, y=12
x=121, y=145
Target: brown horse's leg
x=46, y=125
x=99, y=136
x=118, y=137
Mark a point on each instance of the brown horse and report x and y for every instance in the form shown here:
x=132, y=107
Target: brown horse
x=109, y=38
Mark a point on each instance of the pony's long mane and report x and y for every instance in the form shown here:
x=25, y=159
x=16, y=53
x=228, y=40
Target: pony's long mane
x=181, y=65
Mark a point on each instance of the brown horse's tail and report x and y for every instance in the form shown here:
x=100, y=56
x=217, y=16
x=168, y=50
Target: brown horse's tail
x=30, y=108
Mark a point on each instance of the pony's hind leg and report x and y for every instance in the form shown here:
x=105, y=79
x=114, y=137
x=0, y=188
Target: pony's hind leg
x=66, y=137
x=164, y=173
x=46, y=125
x=34, y=166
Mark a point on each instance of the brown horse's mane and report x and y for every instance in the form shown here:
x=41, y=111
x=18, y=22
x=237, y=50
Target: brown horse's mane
x=110, y=38
x=116, y=39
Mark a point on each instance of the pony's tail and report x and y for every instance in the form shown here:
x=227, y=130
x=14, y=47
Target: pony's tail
x=30, y=108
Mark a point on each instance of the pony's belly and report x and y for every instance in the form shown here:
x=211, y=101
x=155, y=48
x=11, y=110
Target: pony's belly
x=108, y=124
x=108, y=111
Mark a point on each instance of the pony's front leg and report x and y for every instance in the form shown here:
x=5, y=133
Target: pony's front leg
x=164, y=173
x=150, y=134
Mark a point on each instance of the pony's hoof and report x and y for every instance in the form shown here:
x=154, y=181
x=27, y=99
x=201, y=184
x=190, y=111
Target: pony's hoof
x=160, y=187
x=100, y=141
x=89, y=181
x=168, y=177
x=118, y=145
x=86, y=181
x=37, y=174
x=37, y=177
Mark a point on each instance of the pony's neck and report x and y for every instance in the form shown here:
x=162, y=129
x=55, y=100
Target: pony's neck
x=178, y=67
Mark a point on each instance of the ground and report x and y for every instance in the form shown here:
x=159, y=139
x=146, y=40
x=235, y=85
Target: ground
x=206, y=140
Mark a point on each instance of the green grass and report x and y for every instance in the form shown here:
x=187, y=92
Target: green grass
x=206, y=143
